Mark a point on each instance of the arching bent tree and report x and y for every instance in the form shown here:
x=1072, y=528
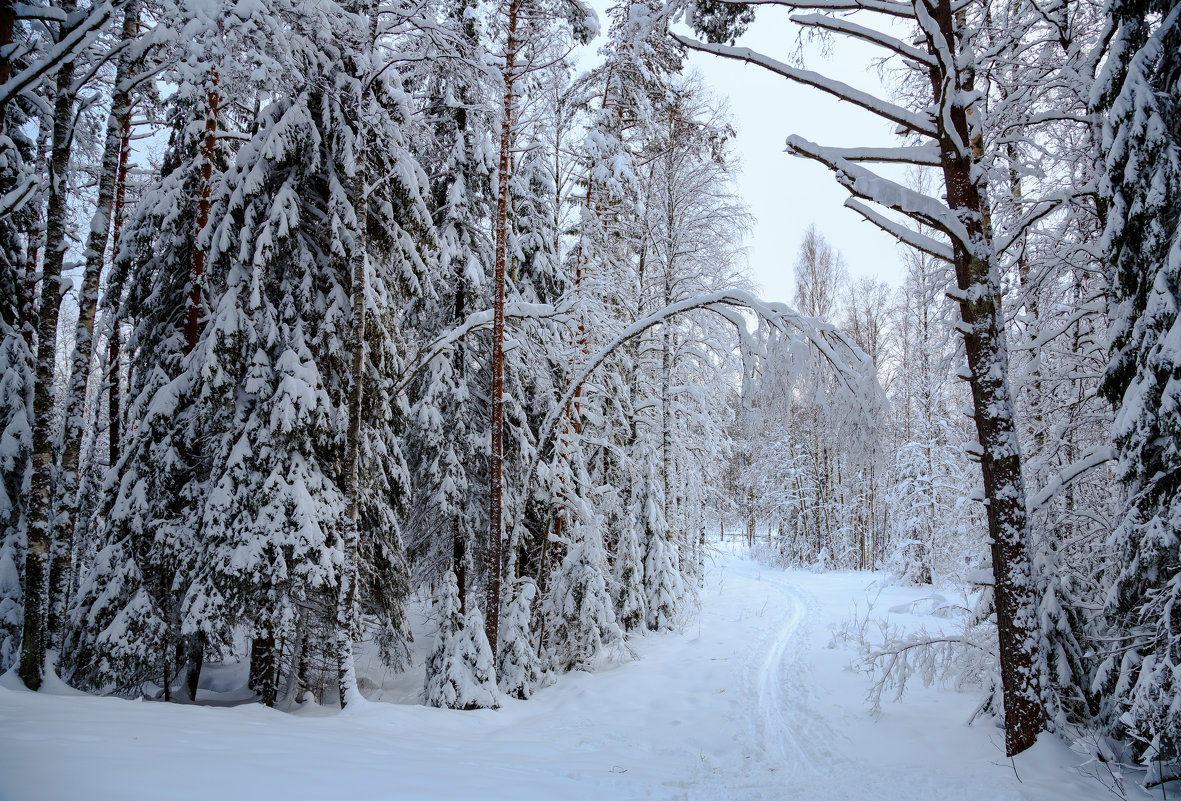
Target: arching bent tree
x=949, y=133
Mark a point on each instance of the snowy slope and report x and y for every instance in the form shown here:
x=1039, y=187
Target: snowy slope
x=749, y=702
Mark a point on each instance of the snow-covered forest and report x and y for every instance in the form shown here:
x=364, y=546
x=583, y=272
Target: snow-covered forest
x=407, y=350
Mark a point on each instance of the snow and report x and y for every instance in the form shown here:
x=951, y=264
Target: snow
x=754, y=699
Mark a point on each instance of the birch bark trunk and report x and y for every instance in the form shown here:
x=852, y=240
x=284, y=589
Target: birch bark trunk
x=40, y=533
x=75, y=401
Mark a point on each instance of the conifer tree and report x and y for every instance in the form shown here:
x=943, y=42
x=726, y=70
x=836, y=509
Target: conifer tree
x=16, y=384
x=580, y=616
x=518, y=668
x=450, y=412
x=459, y=671
x=1139, y=92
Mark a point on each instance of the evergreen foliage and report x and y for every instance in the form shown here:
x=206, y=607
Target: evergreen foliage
x=1140, y=93
x=460, y=672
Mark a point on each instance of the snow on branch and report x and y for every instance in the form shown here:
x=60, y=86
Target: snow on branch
x=474, y=322
x=849, y=28
x=1043, y=208
x=25, y=11
x=851, y=364
x=919, y=156
x=78, y=38
x=16, y=197
x=1050, y=334
x=919, y=123
x=867, y=185
x=1095, y=456
x=892, y=9
x=900, y=232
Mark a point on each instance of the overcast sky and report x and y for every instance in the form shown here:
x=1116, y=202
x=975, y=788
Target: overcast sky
x=786, y=194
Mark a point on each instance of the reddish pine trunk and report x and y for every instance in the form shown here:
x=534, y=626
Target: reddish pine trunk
x=496, y=464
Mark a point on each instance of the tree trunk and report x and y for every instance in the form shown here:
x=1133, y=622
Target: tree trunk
x=75, y=402
x=296, y=670
x=666, y=367
x=459, y=368
x=29, y=306
x=1004, y=490
x=40, y=531
x=263, y=679
x=208, y=151
x=114, y=390
x=358, y=266
x=194, y=645
x=7, y=28
x=496, y=464
x=347, y=675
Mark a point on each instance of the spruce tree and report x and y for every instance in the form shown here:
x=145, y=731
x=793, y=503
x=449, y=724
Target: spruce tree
x=460, y=672
x=16, y=385
x=1140, y=94
x=518, y=668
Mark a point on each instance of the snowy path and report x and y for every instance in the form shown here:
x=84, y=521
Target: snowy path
x=750, y=702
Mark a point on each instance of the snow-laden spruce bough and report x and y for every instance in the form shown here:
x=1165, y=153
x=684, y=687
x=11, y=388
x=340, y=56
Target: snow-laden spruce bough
x=407, y=314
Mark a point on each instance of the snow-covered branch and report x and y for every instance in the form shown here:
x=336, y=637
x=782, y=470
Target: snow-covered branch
x=919, y=123
x=849, y=28
x=870, y=186
x=1096, y=456
x=892, y=9
x=900, y=232
x=76, y=39
x=919, y=156
x=851, y=364
x=474, y=322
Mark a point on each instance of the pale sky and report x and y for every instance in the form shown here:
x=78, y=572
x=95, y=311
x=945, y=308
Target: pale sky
x=786, y=194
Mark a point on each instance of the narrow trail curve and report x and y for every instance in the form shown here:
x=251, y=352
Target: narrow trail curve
x=793, y=733
x=768, y=715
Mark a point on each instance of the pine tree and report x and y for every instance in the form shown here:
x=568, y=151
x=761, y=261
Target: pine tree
x=256, y=526
x=148, y=539
x=631, y=604
x=126, y=618
x=16, y=385
x=450, y=412
x=662, y=573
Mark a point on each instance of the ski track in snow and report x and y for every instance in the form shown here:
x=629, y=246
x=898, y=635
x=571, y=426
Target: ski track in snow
x=772, y=717
x=744, y=705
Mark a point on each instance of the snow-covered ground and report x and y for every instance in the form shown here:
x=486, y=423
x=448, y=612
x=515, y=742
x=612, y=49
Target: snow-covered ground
x=753, y=700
